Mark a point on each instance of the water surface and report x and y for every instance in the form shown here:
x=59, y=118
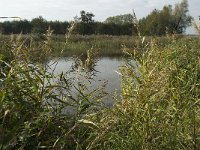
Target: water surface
x=106, y=68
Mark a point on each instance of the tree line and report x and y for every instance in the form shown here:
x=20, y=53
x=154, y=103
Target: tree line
x=158, y=22
x=40, y=25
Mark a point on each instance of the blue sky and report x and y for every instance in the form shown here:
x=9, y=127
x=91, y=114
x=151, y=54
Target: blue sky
x=68, y=9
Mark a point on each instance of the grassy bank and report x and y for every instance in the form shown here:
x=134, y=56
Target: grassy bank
x=159, y=108
x=109, y=46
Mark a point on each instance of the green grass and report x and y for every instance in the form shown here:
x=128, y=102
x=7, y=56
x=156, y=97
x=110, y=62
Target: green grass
x=159, y=108
x=110, y=46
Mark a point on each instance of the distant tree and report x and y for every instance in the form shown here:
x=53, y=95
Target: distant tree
x=122, y=24
x=58, y=27
x=1, y=28
x=149, y=24
x=7, y=27
x=39, y=25
x=158, y=22
x=86, y=17
x=85, y=23
x=25, y=26
x=181, y=19
x=120, y=19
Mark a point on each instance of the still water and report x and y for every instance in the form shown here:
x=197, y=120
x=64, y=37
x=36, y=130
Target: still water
x=107, y=70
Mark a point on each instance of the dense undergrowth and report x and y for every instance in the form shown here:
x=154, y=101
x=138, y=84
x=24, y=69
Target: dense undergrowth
x=159, y=108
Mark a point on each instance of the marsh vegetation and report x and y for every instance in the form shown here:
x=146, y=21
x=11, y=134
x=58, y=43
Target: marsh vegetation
x=45, y=107
x=158, y=109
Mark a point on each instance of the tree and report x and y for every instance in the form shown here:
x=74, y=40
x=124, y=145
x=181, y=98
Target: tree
x=39, y=25
x=86, y=17
x=85, y=25
x=158, y=22
x=120, y=19
x=181, y=18
x=25, y=26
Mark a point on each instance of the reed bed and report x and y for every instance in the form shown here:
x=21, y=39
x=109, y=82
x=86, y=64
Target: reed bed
x=159, y=108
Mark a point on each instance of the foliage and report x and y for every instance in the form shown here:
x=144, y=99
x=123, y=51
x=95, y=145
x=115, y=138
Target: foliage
x=167, y=20
x=120, y=19
x=39, y=25
x=86, y=17
x=15, y=27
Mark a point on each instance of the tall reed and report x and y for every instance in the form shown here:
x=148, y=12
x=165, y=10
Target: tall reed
x=160, y=100
x=40, y=110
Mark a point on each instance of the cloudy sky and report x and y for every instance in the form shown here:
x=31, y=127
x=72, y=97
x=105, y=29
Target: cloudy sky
x=68, y=9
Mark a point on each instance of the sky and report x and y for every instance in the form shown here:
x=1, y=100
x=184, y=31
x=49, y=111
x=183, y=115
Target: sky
x=66, y=10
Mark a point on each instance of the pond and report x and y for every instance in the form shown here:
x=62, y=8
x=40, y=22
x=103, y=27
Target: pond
x=107, y=70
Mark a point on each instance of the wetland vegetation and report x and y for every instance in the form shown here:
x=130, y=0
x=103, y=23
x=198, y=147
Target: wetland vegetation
x=158, y=106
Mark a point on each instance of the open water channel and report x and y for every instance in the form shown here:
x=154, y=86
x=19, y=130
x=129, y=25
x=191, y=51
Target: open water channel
x=107, y=69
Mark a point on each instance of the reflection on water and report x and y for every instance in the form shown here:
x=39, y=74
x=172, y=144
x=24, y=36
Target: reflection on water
x=106, y=71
